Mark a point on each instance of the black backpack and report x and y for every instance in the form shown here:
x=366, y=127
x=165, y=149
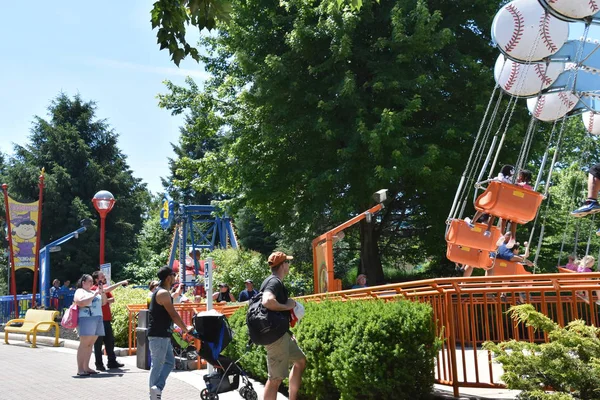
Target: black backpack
x=265, y=326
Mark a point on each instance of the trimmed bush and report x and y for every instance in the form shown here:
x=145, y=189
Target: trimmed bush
x=120, y=324
x=356, y=350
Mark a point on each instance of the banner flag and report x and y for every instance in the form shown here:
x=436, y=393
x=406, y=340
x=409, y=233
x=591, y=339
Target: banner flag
x=24, y=222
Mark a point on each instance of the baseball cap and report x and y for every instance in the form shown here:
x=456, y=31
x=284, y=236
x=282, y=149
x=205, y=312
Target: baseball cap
x=278, y=258
x=164, y=272
x=248, y=281
x=223, y=284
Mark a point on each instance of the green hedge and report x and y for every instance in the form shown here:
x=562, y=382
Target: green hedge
x=356, y=350
x=120, y=324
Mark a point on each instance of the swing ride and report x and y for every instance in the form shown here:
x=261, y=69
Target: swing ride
x=558, y=78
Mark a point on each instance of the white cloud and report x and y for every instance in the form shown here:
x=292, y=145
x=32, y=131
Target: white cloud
x=165, y=71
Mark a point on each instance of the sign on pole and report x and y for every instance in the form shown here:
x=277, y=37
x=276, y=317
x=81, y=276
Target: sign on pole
x=106, y=268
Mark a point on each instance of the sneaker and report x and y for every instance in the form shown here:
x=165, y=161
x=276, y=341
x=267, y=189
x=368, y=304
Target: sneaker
x=155, y=393
x=487, y=233
x=589, y=207
x=500, y=241
x=115, y=364
x=469, y=223
x=100, y=367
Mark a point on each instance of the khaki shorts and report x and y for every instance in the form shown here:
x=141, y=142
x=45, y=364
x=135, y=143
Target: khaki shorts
x=281, y=354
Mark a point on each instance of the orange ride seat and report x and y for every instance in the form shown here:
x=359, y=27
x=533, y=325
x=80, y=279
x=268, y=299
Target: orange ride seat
x=459, y=233
x=509, y=202
x=565, y=270
x=503, y=267
x=469, y=256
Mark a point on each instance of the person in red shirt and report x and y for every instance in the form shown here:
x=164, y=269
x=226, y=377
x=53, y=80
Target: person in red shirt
x=108, y=339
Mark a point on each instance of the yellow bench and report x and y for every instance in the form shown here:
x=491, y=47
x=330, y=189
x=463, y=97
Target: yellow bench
x=35, y=321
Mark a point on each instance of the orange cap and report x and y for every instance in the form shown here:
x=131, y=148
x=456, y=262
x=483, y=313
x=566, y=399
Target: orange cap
x=278, y=258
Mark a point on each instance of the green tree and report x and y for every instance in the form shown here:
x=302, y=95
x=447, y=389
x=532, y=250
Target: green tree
x=317, y=107
x=80, y=155
x=173, y=17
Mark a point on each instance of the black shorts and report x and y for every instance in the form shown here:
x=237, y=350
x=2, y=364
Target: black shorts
x=595, y=171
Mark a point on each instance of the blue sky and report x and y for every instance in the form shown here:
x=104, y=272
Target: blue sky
x=106, y=52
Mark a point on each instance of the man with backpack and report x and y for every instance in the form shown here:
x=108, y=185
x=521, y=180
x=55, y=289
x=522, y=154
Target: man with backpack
x=283, y=351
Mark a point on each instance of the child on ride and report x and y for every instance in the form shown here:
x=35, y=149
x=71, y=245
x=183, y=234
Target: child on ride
x=505, y=175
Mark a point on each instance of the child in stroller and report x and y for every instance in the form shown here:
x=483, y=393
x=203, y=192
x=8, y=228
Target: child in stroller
x=183, y=347
x=213, y=330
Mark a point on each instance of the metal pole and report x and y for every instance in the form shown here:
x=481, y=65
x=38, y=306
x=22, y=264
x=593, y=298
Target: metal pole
x=36, y=265
x=13, y=282
x=102, y=228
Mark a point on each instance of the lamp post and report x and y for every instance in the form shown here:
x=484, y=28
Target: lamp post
x=103, y=201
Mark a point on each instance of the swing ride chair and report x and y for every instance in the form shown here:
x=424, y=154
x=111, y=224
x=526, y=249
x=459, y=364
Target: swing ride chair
x=559, y=79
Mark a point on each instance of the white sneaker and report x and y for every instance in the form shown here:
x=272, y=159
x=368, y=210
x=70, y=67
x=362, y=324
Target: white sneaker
x=155, y=393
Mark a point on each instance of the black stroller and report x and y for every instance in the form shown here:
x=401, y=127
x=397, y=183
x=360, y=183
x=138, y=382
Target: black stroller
x=215, y=334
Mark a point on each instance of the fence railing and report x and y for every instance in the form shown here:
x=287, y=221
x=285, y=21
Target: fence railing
x=468, y=312
x=7, y=304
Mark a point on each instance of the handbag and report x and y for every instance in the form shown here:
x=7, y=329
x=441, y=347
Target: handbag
x=70, y=317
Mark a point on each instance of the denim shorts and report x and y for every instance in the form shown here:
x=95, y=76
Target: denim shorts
x=90, y=326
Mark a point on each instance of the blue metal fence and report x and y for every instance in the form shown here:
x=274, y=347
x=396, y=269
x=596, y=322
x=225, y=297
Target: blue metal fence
x=7, y=304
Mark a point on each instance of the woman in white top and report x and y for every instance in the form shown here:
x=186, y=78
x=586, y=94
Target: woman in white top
x=89, y=325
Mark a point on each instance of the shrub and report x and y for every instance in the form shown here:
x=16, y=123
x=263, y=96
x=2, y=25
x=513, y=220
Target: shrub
x=367, y=349
x=235, y=266
x=569, y=363
x=120, y=324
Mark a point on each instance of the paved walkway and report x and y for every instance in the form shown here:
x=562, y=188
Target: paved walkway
x=32, y=374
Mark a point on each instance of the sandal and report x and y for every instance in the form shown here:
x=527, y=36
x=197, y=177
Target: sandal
x=92, y=372
x=82, y=374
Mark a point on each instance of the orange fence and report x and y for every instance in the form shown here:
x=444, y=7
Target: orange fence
x=470, y=311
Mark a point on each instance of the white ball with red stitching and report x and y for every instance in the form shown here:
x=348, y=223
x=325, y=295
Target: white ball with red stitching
x=525, y=79
x=525, y=31
x=552, y=106
x=575, y=9
x=591, y=120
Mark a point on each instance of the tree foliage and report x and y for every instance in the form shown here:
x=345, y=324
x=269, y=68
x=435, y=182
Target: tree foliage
x=316, y=107
x=173, y=17
x=569, y=363
x=80, y=155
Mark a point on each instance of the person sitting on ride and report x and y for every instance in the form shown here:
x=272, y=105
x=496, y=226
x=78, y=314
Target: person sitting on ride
x=512, y=254
x=523, y=180
x=505, y=176
x=586, y=264
x=590, y=206
x=571, y=264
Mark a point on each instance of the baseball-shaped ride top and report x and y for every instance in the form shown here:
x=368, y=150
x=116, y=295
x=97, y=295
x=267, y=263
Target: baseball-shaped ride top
x=552, y=106
x=525, y=31
x=591, y=120
x=525, y=80
x=572, y=10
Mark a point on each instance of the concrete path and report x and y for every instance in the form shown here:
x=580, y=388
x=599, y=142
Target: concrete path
x=50, y=372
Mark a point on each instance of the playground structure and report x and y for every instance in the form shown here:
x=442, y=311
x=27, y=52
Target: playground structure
x=197, y=227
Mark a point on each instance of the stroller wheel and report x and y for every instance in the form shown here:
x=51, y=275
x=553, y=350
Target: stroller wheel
x=204, y=394
x=243, y=391
x=250, y=394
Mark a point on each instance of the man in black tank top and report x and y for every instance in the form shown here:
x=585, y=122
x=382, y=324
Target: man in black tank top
x=162, y=316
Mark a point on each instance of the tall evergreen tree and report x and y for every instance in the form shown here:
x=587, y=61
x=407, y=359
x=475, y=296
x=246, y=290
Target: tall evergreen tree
x=80, y=155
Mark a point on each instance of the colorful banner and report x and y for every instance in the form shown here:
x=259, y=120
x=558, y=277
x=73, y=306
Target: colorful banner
x=24, y=224
x=321, y=252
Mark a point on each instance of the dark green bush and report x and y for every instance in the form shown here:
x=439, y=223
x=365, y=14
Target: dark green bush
x=357, y=350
